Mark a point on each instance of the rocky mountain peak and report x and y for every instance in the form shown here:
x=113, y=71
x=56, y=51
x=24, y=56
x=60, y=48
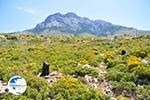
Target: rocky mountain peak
x=71, y=23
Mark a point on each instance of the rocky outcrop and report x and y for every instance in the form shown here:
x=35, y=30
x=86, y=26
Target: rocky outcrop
x=3, y=87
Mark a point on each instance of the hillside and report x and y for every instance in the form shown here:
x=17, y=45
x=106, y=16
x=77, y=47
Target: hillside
x=72, y=24
x=88, y=68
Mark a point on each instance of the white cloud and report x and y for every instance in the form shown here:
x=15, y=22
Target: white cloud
x=27, y=10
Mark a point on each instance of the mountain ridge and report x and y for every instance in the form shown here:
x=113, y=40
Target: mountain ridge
x=72, y=24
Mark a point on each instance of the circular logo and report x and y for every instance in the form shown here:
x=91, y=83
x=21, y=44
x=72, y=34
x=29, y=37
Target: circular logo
x=17, y=85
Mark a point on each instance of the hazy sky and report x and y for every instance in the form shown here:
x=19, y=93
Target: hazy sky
x=18, y=15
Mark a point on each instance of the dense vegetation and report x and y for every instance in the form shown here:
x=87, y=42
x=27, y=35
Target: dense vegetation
x=127, y=60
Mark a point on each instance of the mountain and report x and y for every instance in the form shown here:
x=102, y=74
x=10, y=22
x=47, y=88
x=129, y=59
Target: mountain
x=72, y=24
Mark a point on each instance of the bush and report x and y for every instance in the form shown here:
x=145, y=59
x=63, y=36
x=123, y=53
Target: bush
x=68, y=88
x=120, y=97
x=116, y=75
x=143, y=93
x=82, y=71
x=130, y=87
x=141, y=54
x=133, y=61
x=143, y=74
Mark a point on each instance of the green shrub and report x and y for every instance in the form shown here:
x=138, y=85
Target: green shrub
x=68, y=88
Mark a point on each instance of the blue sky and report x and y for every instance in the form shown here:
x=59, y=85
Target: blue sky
x=18, y=15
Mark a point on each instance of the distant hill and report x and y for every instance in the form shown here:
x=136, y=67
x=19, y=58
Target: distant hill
x=72, y=24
